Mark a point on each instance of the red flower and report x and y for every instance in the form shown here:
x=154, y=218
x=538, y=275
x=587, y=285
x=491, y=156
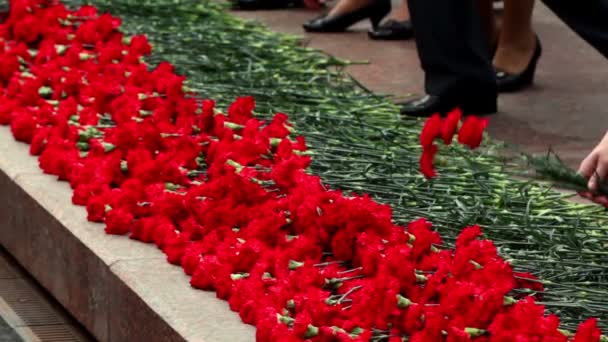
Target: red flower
x=175, y=246
x=432, y=129
x=118, y=222
x=241, y=109
x=302, y=321
x=39, y=141
x=450, y=125
x=468, y=235
x=471, y=132
x=249, y=311
x=23, y=126
x=426, y=161
x=9, y=64
x=140, y=46
x=27, y=29
x=266, y=321
x=96, y=209
x=204, y=275
x=588, y=332
x=144, y=229
x=458, y=335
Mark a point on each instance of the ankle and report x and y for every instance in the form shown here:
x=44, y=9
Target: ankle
x=400, y=13
x=522, y=42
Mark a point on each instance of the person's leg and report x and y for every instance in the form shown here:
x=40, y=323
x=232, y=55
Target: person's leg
x=454, y=55
x=397, y=25
x=517, y=40
x=488, y=22
x=347, y=6
x=588, y=18
x=400, y=13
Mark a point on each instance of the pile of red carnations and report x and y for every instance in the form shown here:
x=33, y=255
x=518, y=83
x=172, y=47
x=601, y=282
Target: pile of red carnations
x=227, y=197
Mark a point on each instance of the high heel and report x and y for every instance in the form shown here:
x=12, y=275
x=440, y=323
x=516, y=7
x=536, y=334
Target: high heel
x=507, y=82
x=393, y=30
x=375, y=11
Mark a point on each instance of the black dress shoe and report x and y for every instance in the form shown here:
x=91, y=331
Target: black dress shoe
x=393, y=30
x=252, y=5
x=375, y=11
x=428, y=105
x=513, y=82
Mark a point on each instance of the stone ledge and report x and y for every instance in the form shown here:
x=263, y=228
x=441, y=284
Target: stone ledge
x=119, y=289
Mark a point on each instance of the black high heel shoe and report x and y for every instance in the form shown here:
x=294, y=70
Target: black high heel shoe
x=393, y=30
x=513, y=82
x=375, y=11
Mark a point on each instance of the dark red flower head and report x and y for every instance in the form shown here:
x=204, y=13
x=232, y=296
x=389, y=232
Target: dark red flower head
x=450, y=125
x=471, y=132
x=432, y=129
x=426, y=161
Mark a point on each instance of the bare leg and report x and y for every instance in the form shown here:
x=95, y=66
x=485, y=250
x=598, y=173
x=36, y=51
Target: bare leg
x=517, y=39
x=401, y=12
x=346, y=6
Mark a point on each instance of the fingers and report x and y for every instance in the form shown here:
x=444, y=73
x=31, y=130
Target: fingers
x=586, y=194
x=603, y=200
x=588, y=165
x=598, y=175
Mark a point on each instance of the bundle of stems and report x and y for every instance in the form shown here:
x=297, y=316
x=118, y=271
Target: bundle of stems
x=362, y=145
x=550, y=167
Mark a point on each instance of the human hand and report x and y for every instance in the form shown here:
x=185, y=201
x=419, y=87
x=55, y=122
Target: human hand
x=599, y=199
x=595, y=168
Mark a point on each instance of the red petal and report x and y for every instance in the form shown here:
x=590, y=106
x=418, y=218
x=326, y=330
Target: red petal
x=471, y=132
x=431, y=130
x=426, y=161
x=450, y=125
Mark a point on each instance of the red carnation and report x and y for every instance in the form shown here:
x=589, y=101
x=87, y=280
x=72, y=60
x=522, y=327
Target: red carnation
x=39, y=141
x=143, y=229
x=450, y=125
x=9, y=64
x=588, y=332
x=140, y=46
x=86, y=11
x=23, y=126
x=471, y=132
x=27, y=29
x=249, y=311
x=118, y=222
x=468, y=235
x=426, y=161
x=96, y=209
x=301, y=323
x=240, y=110
x=432, y=129
x=175, y=246
x=6, y=107
x=267, y=320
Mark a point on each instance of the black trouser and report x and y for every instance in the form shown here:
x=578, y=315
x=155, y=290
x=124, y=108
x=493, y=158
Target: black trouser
x=453, y=50
x=588, y=18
